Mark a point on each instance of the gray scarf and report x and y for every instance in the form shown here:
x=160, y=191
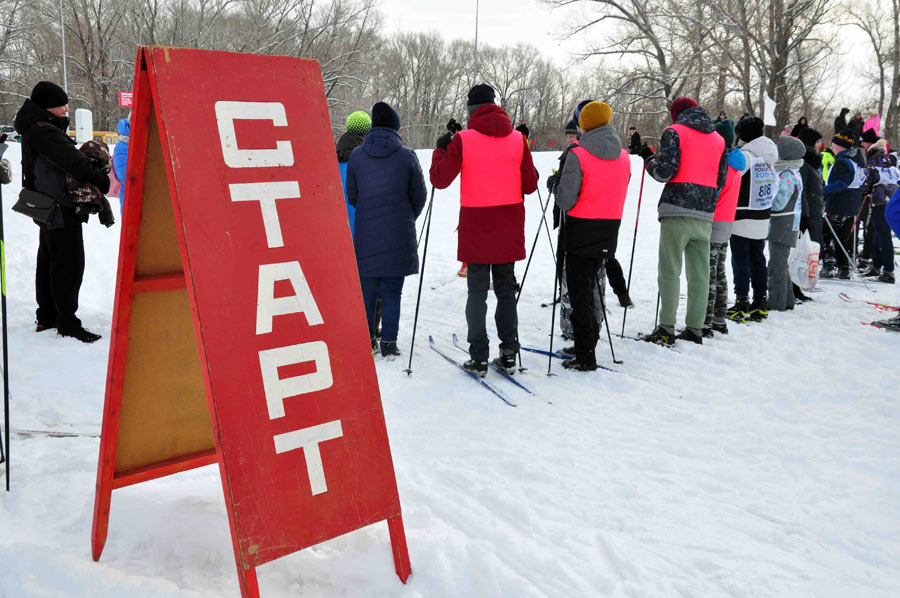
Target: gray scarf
x=782, y=165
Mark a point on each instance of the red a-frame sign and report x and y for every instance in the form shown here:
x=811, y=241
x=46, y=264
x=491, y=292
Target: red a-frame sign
x=239, y=334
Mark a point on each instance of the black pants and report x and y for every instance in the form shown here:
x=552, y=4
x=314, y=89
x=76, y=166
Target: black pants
x=616, y=277
x=835, y=247
x=748, y=263
x=505, y=316
x=581, y=273
x=57, y=282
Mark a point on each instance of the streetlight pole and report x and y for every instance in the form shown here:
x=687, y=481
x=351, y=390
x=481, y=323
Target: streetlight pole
x=475, y=74
x=62, y=35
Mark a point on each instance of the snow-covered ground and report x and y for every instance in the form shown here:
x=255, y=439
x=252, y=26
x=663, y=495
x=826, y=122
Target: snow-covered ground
x=765, y=463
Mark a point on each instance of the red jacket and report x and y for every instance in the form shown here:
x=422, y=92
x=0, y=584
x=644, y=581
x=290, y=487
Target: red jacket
x=493, y=234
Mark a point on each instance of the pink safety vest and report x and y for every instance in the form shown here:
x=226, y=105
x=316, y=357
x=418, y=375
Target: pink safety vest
x=700, y=156
x=491, y=173
x=726, y=204
x=604, y=185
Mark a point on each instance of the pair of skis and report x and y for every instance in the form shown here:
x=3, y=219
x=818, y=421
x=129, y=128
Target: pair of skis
x=881, y=307
x=484, y=383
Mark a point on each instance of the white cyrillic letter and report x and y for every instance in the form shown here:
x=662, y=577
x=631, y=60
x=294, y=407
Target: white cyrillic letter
x=268, y=306
x=266, y=194
x=277, y=390
x=309, y=439
x=228, y=112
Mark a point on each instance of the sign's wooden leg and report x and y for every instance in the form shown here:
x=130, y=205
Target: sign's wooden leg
x=398, y=546
x=249, y=583
x=101, y=518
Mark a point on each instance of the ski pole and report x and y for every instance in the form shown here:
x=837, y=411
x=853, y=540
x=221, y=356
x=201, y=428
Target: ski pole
x=837, y=240
x=637, y=220
x=605, y=319
x=412, y=345
x=426, y=218
x=656, y=316
x=557, y=288
x=534, y=244
x=5, y=346
x=544, y=221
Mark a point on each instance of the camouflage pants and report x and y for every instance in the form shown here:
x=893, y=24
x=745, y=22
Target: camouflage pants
x=717, y=304
x=565, y=305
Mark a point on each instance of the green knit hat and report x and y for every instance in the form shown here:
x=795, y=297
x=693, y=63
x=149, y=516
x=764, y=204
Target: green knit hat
x=359, y=122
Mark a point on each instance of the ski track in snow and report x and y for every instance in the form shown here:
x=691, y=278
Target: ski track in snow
x=764, y=463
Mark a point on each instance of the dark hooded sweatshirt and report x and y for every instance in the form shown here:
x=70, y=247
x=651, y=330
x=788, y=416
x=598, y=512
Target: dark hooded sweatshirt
x=494, y=234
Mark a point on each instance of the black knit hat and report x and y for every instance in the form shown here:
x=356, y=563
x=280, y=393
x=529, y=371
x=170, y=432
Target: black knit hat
x=49, y=95
x=572, y=127
x=749, y=128
x=809, y=136
x=870, y=136
x=845, y=139
x=385, y=116
x=481, y=94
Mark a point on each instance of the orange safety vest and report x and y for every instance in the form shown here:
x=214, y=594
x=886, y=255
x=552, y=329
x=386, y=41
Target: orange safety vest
x=491, y=173
x=604, y=185
x=700, y=156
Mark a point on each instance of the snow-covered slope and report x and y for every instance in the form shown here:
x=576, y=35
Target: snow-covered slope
x=764, y=463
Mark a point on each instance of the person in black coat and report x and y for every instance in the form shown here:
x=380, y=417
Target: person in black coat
x=48, y=155
x=386, y=185
x=801, y=124
x=856, y=126
x=840, y=121
x=635, y=146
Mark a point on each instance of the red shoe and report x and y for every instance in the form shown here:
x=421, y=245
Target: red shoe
x=463, y=271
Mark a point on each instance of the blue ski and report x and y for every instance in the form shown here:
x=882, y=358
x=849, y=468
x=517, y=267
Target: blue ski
x=492, y=366
x=545, y=352
x=563, y=356
x=473, y=375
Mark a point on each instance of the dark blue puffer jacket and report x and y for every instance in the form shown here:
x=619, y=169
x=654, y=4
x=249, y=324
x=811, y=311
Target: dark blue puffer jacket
x=892, y=212
x=842, y=195
x=386, y=185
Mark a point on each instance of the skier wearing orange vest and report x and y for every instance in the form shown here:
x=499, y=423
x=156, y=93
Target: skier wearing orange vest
x=693, y=164
x=591, y=192
x=496, y=170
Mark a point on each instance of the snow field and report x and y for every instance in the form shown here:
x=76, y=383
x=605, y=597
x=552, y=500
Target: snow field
x=763, y=463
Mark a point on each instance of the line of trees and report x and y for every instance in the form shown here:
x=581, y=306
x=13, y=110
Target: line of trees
x=638, y=56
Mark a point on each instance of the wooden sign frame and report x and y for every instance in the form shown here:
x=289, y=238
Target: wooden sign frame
x=162, y=414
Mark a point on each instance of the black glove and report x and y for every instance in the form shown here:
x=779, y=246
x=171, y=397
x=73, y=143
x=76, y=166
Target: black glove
x=444, y=140
x=453, y=126
x=646, y=152
x=551, y=182
x=106, y=214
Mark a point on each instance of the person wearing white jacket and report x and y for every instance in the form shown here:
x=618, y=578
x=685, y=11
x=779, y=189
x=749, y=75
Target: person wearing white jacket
x=759, y=185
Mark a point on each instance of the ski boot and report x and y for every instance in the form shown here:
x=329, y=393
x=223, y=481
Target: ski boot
x=41, y=326
x=759, y=309
x=720, y=328
x=844, y=273
x=570, y=350
x=740, y=311
x=886, y=277
x=661, y=336
x=871, y=272
x=890, y=324
x=389, y=349
x=689, y=335
x=374, y=341
x=708, y=332
x=506, y=362
x=479, y=368
x=579, y=366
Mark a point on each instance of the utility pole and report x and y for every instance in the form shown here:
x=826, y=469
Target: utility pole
x=475, y=74
x=62, y=35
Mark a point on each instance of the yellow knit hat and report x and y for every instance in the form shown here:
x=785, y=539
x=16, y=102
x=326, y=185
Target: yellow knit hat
x=595, y=114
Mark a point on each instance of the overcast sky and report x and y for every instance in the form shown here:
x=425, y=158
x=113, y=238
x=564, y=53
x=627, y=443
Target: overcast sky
x=500, y=22
x=504, y=22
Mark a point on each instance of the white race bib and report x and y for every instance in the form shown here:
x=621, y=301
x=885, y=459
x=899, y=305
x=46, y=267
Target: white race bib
x=763, y=184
